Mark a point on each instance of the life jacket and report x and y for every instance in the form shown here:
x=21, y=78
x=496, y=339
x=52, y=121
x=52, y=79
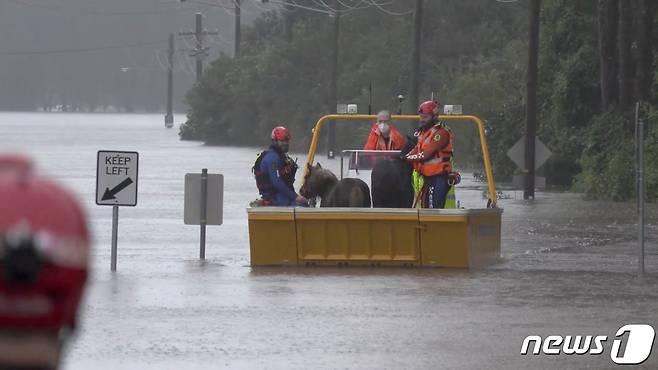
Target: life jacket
x=287, y=172
x=440, y=163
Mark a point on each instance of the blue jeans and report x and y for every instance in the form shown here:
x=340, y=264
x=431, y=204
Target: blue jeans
x=437, y=189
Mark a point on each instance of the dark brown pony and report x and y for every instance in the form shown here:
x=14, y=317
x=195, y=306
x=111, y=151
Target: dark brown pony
x=391, y=180
x=320, y=182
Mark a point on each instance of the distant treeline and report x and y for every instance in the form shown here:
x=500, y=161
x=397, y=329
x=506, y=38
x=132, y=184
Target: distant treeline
x=596, y=59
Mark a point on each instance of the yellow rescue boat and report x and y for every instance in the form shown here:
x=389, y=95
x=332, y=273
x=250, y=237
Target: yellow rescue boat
x=283, y=236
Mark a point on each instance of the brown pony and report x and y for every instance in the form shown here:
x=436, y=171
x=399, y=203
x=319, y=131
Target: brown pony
x=320, y=182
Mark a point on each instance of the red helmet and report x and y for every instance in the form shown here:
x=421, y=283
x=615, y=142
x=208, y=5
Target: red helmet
x=280, y=133
x=44, y=247
x=429, y=107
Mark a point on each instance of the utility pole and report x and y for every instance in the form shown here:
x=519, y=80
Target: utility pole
x=370, y=98
x=169, y=118
x=624, y=41
x=236, y=52
x=531, y=101
x=639, y=178
x=333, y=85
x=199, y=47
x=289, y=19
x=199, y=51
x=415, y=56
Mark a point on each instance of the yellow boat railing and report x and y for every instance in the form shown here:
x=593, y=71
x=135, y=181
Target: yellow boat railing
x=449, y=118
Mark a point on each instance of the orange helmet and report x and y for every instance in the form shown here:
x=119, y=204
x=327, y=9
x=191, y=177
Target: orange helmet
x=280, y=133
x=429, y=107
x=44, y=248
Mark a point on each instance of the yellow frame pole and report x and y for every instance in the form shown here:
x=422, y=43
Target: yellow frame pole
x=452, y=118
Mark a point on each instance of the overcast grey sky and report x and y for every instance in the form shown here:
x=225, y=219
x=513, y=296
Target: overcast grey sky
x=87, y=52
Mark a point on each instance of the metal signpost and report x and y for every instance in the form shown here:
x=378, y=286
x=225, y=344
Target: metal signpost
x=116, y=185
x=204, y=200
x=639, y=166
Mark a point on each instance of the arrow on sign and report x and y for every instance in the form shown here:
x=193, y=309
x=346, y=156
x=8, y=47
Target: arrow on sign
x=110, y=194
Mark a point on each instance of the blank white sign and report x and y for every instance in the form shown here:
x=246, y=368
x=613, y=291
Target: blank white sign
x=214, y=199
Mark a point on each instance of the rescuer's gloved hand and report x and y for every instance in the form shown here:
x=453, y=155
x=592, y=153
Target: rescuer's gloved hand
x=408, y=146
x=301, y=201
x=454, y=178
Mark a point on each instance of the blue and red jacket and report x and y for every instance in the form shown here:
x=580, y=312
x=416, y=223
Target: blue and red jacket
x=275, y=176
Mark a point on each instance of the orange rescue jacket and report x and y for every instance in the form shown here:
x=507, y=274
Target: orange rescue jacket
x=437, y=143
x=376, y=140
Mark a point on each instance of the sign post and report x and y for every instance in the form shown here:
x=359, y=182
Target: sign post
x=115, y=231
x=204, y=211
x=204, y=199
x=116, y=185
x=639, y=165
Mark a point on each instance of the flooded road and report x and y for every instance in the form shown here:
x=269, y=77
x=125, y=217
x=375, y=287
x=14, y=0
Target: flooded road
x=568, y=268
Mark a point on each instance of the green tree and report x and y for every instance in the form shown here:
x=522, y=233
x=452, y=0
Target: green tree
x=474, y=54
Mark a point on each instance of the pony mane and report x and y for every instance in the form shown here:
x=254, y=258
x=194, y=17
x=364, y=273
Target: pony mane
x=320, y=180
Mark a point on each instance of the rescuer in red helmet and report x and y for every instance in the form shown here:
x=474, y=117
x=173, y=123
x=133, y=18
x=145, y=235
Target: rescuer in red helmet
x=431, y=157
x=275, y=172
x=44, y=248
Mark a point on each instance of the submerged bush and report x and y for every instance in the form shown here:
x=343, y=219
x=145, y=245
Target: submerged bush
x=609, y=159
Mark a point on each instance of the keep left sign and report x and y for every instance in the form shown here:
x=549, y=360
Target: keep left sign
x=116, y=178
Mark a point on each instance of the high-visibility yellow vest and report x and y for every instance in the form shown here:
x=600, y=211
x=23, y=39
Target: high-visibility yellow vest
x=418, y=181
x=451, y=200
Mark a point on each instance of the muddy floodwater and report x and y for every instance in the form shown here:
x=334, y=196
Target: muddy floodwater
x=568, y=268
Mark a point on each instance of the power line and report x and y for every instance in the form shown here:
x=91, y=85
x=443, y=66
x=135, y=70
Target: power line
x=380, y=6
x=163, y=66
x=261, y=6
x=183, y=62
x=220, y=40
x=323, y=7
x=352, y=7
x=81, y=50
x=77, y=10
x=199, y=52
x=295, y=5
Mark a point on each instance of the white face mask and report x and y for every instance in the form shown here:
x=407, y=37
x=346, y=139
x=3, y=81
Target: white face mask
x=384, y=128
